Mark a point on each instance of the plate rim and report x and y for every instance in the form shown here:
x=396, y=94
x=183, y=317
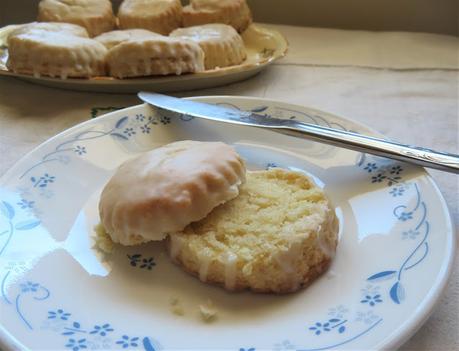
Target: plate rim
x=392, y=341
x=432, y=298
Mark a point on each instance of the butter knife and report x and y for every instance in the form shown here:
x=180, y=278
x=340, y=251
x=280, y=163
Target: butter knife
x=349, y=140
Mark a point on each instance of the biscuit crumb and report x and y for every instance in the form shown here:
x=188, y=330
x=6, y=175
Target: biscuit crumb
x=208, y=311
x=331, y=274
x=176, y=306
x=102, y=240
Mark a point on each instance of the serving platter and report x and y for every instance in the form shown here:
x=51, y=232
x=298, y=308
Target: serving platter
x=264, y=46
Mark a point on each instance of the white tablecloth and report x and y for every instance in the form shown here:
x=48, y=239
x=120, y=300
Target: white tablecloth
x=403, y=85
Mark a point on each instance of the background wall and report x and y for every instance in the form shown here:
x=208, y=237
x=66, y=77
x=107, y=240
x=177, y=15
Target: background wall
x=434, y=16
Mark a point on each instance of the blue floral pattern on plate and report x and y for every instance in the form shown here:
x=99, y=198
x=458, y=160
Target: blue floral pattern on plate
x=98, y=336
x=136, y=260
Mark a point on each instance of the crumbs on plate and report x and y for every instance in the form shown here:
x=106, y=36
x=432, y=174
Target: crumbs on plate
x=208, y=311
x=176, y=306
x=102, y=240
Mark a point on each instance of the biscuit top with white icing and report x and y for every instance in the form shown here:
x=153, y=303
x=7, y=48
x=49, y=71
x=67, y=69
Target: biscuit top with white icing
x=50, y=39
x=164, y=190
x=51, y=36
x=217, y=32
x=50, y=28
x=56, y=50
x=213, y=4
x=146, y=7
x=95, y=15
x=115, y=37
x=65, y=9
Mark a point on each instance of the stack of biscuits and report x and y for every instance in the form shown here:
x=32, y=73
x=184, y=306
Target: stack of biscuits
x=270, y=231
x=83, y=38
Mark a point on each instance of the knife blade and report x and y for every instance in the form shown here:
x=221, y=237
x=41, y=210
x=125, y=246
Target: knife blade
x=412, y=154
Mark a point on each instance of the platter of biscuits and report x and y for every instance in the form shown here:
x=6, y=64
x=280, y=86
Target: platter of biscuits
x=156, y=45
x=147, y=230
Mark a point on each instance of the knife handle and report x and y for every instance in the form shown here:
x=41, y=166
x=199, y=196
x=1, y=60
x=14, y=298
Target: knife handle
x=358, y=142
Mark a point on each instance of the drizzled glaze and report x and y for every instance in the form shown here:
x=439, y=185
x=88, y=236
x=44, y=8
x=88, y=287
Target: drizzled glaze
x=230, y=270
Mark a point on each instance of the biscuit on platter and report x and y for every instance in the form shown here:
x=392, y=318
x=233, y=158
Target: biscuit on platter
x=278, y=235
x=55, y=50
x=221, y=44
x=165, y=189
x=113, y=38
x=94, y=15
x=235, y=13
x=154, y=56
x=161, y=16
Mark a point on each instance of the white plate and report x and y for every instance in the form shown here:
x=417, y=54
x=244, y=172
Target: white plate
x=263, y=45
x=57, y=292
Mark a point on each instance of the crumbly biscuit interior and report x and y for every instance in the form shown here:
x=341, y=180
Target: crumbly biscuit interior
x=255, y=223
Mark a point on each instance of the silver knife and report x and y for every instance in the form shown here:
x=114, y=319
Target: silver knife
x=353, y=141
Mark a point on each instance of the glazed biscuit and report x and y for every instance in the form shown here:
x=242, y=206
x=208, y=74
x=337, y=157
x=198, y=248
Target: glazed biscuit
x=41, y=49
x=221, y=44
x=164, y=190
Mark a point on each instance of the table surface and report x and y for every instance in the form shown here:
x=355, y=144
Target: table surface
x=408, y=91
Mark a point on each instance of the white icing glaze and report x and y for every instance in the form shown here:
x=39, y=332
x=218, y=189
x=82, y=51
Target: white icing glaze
x=175, y=246
x=204, y=268
x=113, y=38
x=52, y=27
x=212, y=4
x=95, y=15
x=329, y=227
x=214, y=32
x=139, y=8
x=230, y=270
x=286, y=259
